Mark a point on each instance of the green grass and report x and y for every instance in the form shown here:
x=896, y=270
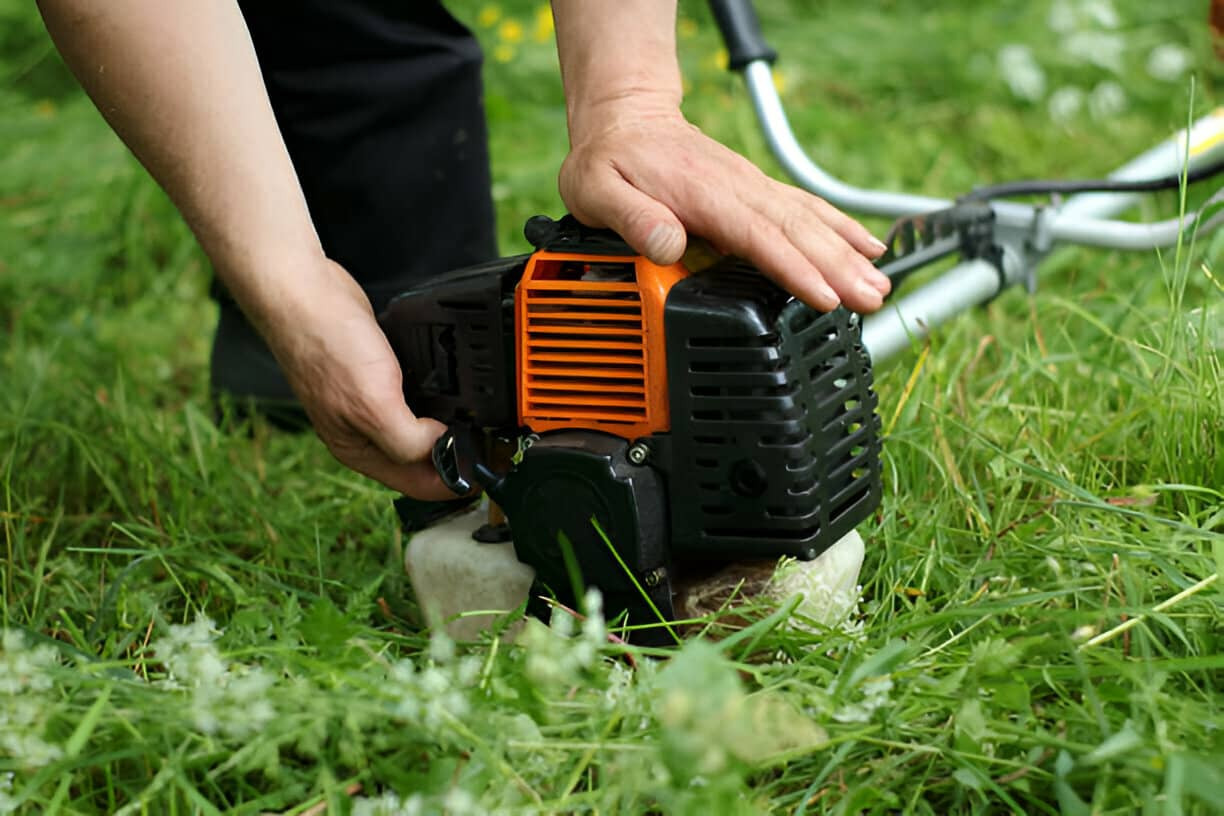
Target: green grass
x=1056, y=469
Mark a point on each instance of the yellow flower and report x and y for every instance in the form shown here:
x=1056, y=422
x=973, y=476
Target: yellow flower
x=543, y=24
x=510, y=31
x=719, y=59
x=503, y=53
x=779, y=81
x=488, y=16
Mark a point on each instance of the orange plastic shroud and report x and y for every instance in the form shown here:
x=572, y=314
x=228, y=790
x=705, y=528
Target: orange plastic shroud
x=591, y=351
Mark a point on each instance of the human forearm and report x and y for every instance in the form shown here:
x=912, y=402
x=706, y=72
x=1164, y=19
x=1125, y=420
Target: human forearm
x=615, y=52
x=180, y=84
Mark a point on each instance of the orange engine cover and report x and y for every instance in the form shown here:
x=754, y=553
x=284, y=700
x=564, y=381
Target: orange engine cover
x=591, y=352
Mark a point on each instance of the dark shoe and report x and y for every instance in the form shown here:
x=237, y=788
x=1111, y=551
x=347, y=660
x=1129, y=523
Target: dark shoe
x=245, y=378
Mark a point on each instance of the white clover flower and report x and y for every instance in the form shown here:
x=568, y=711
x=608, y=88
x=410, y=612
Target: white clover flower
x=875, y=696
x=8, y=803
x=246, y=707
x=876, y=690
x=1107, y=99
x=402, y=675
x=201, y=631
x=433, y=681
x=232, y=701
x=1021, y=72
x=1101, y=12
x=544, y=668
x=1168, y=62
x=388, y=804
x=459, y=802
x=594, y=631
x=435, y=695
x=28, y=748
x=467, y=671
x=620, y=686
x=1062, y=17
x=189, y=652
x=203, y=713
x=441, y=647
x=402, y=671
x=440, y=710
x=207, y=667
x=584, y=653
x=561, y=622
x=1065, y=104
x=25, y=677
x=24, y=669
x=1100, y=48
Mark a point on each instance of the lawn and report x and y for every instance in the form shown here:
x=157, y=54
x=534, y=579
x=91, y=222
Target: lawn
x=215, y=619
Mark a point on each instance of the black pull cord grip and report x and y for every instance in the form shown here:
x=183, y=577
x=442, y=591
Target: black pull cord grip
x=741, y=31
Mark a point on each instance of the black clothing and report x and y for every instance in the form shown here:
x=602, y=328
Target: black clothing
x=381, y=106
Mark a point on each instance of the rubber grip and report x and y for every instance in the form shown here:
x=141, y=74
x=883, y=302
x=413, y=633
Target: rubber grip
x=741, y=31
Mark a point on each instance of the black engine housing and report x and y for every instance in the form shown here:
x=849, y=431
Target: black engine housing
x=775, y=442
x=773, y=448
x=578, y=490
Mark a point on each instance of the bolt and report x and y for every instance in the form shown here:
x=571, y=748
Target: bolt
x=655, y=577
x=638, y=453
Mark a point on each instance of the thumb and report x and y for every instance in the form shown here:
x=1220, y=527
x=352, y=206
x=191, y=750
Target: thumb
x=648, y=226
x=407, y=442
x=407, y=439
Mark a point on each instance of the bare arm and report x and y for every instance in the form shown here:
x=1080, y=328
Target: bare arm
x=637, y=166
x=180, y=84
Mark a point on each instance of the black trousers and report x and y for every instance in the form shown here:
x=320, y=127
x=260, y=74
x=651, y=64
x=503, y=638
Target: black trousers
x=381, y=106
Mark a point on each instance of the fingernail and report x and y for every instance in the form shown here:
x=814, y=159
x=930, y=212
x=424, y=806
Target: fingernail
x=665, y=244
x=878, y=245
x=870, y=272
x=828, y=298
x=869, y=292
x=880, y=281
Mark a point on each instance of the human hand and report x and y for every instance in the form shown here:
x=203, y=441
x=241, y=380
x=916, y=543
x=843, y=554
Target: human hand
x=342, y=368
x=172, y=79
x=639, y=168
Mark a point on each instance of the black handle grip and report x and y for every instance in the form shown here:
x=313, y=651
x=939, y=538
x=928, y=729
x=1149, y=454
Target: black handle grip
x=457, y=459
x=741, y=31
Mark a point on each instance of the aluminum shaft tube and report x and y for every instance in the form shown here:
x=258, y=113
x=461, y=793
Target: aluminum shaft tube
x=1082, y=219
x=892, y=329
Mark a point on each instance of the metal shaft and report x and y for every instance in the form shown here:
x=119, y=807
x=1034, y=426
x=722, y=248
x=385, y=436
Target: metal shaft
x=910, y=319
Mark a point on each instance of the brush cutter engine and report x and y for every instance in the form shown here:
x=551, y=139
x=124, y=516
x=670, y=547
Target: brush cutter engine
x=636, y=421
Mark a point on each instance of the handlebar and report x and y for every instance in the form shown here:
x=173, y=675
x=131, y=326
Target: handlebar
x=1024, y=233
x=741, y=31
x=1082, y=219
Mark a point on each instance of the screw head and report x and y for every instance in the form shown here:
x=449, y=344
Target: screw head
x=638, y=453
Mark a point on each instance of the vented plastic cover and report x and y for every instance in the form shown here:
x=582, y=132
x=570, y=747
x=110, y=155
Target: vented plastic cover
x=774, y=448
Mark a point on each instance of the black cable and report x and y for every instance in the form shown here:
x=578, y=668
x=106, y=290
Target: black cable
x=1011, y=189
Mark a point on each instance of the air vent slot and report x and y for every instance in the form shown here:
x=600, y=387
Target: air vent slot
x=584, y=355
